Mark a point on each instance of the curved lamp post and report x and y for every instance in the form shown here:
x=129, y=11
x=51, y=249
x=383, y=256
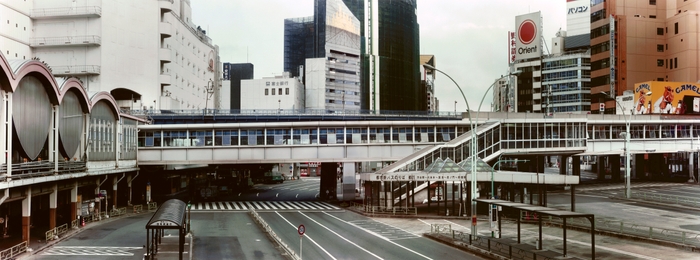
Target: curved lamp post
x=628, y=183
x=472, y=147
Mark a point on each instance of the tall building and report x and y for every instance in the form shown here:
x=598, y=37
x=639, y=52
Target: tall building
x=234, y=73
x=328, y=55
x=653, y=40
x=170, y=61
x=391, y=53
x=555, y=82
x=428, y=82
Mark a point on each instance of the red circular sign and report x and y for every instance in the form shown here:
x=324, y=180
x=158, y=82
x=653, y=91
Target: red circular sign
x=527, y=31
x=301, y=230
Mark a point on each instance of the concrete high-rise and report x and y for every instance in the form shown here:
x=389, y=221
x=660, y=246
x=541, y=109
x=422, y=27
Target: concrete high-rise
x=654, y=40
x=397, y=60
x=325, y=52
x=171, y=62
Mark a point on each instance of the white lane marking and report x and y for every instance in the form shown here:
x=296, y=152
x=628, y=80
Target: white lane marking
x=424, y=222
x=379, y=236
x=306, y=235
x=338, y=235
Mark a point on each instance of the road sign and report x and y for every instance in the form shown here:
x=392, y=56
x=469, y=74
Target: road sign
x=301, y=230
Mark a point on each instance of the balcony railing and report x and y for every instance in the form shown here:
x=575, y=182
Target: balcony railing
x=65, y=40
x=75, y=70
x=59, y=12
x=42, y=168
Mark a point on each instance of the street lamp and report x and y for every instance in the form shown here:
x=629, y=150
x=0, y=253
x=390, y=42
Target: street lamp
x=472, y=148
x=628, y=183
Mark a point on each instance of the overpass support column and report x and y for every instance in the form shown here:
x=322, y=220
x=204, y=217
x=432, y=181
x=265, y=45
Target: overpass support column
x=563, y=164
x=26, y=214
x=74, y=201
x=600, y=167
x=615, y=167
x=53, y=138
x=53, y=199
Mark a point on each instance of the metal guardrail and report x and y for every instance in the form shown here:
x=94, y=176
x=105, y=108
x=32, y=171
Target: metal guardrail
x=502, y=247
x=117, y=212
x=665, y=234
x=41, y=168
x=152, y=206
x=55, y=232
x=11, y=252
x=384, y=210
x=274, y=236
x=260, y=112
x=681, y=200
x=138, y=208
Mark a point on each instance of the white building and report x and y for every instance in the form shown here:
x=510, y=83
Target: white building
x=146, y=53
x=272, y=93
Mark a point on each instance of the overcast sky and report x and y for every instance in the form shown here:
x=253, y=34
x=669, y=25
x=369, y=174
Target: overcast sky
x=467, y=37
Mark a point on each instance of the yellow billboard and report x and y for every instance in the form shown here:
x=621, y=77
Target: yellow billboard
x=666, y=98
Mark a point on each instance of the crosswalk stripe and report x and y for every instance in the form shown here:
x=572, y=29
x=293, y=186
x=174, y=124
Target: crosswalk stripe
x=217, y=206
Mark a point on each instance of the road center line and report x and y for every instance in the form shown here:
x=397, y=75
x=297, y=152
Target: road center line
x=347, y=240
x=307, y=236
x=377, y=235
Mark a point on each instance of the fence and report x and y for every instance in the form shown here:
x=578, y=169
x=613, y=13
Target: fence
x=681, y=200
x=57, y=231
x=152, y=206
x=269, y=230
x=138, y=208
x=11, y=252
x=503, y=247
x=671, y=235
x=385, y=210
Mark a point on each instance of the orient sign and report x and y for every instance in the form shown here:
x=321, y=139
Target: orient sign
x=527, y=31
x=529, y=44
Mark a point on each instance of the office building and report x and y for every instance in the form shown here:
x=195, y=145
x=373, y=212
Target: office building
x=277, y=94
x=233, y=74
x=428, y=82
x=330, y=54
x=653, y=40
x=390, y=53
x=171, y=63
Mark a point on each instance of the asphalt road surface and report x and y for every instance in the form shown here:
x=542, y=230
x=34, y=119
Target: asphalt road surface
x=346, y=235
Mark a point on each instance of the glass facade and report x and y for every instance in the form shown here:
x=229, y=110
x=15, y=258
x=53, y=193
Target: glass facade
x=332, y=33
x=566, y=83
x=399, y=50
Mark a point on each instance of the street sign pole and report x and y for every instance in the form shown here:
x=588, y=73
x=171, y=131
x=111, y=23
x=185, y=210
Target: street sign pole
x=301, y=231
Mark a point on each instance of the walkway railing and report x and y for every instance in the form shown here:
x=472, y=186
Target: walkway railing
x=55, y=232
x=500, y=246
x=272, y=234
x=384, y=210
x=41, y=168
x=681, y=200
x=664, y=234
x=11, y=252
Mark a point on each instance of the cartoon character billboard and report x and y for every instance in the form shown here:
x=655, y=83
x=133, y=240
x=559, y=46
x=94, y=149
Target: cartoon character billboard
x=666, y=98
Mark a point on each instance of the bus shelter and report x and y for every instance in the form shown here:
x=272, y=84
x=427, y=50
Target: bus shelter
x=170, y=215
x=541, y=212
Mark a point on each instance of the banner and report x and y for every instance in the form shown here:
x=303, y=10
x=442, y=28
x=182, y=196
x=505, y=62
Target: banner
x=666, y=98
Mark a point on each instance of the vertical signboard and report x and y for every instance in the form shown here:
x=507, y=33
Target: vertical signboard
x=511, y=47
x=529, y=33
x=612, y=55
x=227, y=71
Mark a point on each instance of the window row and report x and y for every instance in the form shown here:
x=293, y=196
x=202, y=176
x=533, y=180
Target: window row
x=304, y=136
x=276, y=90
x=643, y=131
